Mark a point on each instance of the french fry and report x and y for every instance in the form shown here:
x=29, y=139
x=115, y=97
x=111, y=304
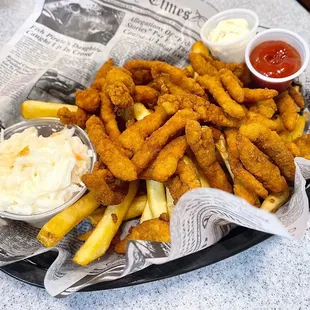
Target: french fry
x=140, y=111
x=156, y=197
x=222, y=148
x=135, y=210
x=147, y=213
x=170, y=202
x=99, y=241
x=96, y=216
x=274, y=201
x=86, y=235
x=56, y=228
x=297, y=132
x=35, y=109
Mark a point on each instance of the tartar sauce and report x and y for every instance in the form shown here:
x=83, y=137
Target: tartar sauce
x=39, y=173
x=229, y=30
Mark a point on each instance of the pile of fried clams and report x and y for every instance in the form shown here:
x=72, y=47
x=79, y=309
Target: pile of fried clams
x=205, y=119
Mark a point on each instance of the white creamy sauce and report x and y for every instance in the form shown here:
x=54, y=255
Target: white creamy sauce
x=229, y=30
x=38, y=174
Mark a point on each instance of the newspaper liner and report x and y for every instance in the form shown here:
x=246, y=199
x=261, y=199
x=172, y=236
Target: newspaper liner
x=202, y=216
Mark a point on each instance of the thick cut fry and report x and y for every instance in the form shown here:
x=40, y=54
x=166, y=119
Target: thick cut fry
x=201, y=143
x=135, y=210
x=85, y=236
x=201, y=65
x=257, y=94
x=156, y=197
x=140, y=111
x=35, y=109
x=109, y=153
x=215, y=87
x=232, y=85
x=272, y=145
x=165, y=164
x=152, y=230
x=96, y=216
x=260, y=166
x=108, y=117
x=273, y=202
x=146, y=95
x=68, y=117
x=147, y=213
x=134, y=137
x=99, y=241
x=170, y=203
x=266, y=108
x=88, y=99
x=297, y=132
x=298, y=98
x=97, y=184
x=152, y=146
x=238, y=171
x=103, y=71
x=56, y=228
x=287, y=110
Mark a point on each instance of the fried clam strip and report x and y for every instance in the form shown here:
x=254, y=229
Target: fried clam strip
x=120, y=87
x=200, y=47
x=159, y=138
x=165, y=164
x=232, y=84
x=78, y=118
x=185, y=179
x=141, y=70
x=201, y=143
x=146, y=95
x=272, y=145
x=201, y=65
x=304, y=145
x=164, y=84
x=266, y=108
x=177, y=77
x=237, y=168
x=242, y=191
x=155, y=230
x=215, y=87
x=260, y=166
x=103, y=71
x=287, y=111
x=97, y=183
x=294, y=92
x=108, y=117
x=275, y=124
x=133, y=137
x=120, y=166
x=257, y=94
x=207, y=111
x=88, y=99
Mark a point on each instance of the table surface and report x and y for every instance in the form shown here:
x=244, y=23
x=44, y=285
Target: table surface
x=272, y=275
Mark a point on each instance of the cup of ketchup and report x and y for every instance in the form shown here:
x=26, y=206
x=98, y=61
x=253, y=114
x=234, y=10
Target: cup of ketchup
x=275, y=57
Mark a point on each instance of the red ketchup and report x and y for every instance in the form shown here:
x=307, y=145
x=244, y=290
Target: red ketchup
x=275, y=59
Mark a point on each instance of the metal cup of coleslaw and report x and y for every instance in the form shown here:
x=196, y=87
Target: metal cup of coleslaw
x=46, y=127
